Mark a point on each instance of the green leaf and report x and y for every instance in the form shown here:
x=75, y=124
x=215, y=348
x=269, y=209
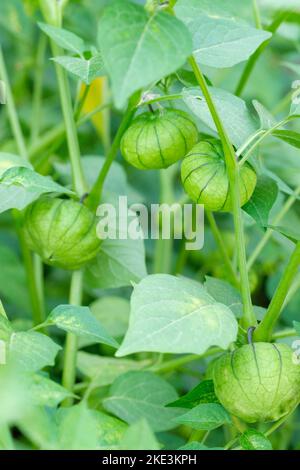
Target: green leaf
x=104, y=370
x=40, y=427
x=254, y=440
x=137, y=395
x=218, y=40
x=110, y=430
x=85, y=69
x=164, y=311
x=225, y=293
x=290, y=137
x=63, y=38
x=119, y=263
x=293, y=235
x=267, y=120
x=20, y=186
x=77, y=428
x=202, y=393
x=198, y=446
x=81, y=322
x=233, y=111
x=139, y=436
x=9, y=160
x=46, y=392
x=142, y=49
x=112, y=313
x=32, y=351
x=262, y=200
x=206, y=416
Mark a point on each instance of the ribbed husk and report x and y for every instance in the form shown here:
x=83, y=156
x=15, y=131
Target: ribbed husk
x=62, y=232
x=204, y=177
x=157, y=140
x=258, y=382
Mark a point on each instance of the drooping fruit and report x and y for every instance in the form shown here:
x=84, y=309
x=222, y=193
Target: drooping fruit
x=258, y=382
x=205, y=180
x=62, y=232
x=159, y=139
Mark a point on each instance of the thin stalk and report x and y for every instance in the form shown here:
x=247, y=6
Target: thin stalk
x=161, y=98
x=268, y=234
x=71, y=346
x=265, y=328
x=38, y=88
x=256, y=13
x=164, y=247
x=254, y=58
x=222, y=247
x=286, y=333
x=34, y=277
x=79, y=182
x=173, y=364
x=264, y=136
x=11, y=108
x=96, y=193
x=248, y=318
x=249, y=141
x=81, y=102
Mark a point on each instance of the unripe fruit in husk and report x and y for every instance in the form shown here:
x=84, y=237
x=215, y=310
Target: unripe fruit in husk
x=159, y=139
x=258, y=382
x=205, y=180
x=62, y=232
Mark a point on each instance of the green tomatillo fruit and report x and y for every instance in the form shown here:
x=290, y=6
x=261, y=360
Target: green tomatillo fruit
x=159, y=139
x=205, y=180
x=258, y=382
x=62, y=232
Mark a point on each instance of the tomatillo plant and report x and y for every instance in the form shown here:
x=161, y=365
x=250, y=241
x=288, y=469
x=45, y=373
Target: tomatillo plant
x=150, y=228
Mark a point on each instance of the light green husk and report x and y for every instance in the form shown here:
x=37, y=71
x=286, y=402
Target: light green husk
x=62, y=232
x=259, y=382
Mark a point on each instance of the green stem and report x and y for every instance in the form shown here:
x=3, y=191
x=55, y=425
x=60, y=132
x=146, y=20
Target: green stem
x=268, y=234
x=38, y=88
x=164, y=247
x=80, y=105
x=220, y=242
x=286, y=333
x=70, y=357
x=254, y=58
x=11, y=108
x=96, y=193
x=173, y=364
x=265, y=328
x=79, y=182
x=256, y=13
x=249, y=141
x=248, y=318
x=264, y=136
x=34, y=271
x=161, y=98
